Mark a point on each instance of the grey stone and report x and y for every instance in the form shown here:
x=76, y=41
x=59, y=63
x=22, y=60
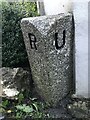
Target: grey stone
x=50, y=55
x=15, y=80
x=2, y=118
x=58, y=113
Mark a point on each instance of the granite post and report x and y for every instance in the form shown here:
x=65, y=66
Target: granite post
x=49, y=44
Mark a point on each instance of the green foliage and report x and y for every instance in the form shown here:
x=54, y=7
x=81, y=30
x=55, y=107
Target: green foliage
x=25, y=108
x=5, y=103
x=22, y=108
x=32, y=110
x=13, y=48
x=20, y=97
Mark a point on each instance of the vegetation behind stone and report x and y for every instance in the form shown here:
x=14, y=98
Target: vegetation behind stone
x=13, y=48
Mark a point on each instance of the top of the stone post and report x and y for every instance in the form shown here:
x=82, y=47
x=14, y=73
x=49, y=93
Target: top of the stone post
x=44, y=23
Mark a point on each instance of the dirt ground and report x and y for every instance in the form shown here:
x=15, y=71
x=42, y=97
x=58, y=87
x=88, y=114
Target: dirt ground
x=71, y=108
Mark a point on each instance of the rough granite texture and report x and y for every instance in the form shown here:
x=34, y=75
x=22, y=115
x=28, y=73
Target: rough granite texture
x=15, y=78
x=52, y=69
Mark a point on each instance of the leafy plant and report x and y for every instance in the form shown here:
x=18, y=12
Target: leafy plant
x=5, y=103
x=13, y=48
x=22, y=107
x=25, y=108
x=20, y=98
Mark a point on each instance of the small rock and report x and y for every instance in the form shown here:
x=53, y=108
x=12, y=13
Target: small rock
x=84, y=106
x=14, y=80
x=75, y=104
x=10, y=92
x=2, y=117
x=79, y=105
x=80, y=102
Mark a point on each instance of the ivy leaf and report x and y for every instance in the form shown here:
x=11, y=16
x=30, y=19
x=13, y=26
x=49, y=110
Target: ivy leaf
x=25, y=108
x=28, y=109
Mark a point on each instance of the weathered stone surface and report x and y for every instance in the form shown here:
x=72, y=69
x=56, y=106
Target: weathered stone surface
x=49, y=44
x=14, y=80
